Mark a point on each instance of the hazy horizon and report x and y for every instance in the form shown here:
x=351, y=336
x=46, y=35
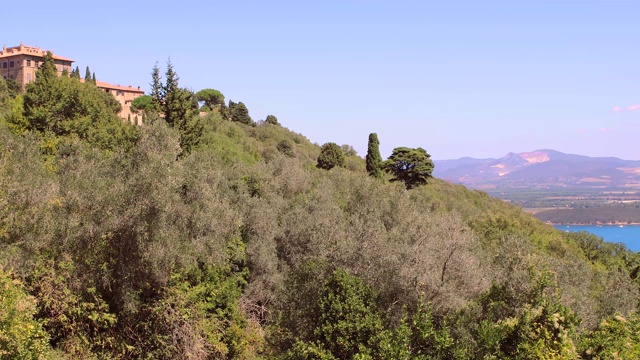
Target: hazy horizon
x=458, y=78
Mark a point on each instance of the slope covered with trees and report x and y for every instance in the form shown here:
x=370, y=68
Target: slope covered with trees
x=204, y=234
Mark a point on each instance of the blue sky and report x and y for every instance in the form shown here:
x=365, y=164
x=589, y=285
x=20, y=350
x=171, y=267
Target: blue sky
x=458, y=78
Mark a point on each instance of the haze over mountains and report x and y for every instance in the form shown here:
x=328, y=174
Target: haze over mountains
x=541, y=169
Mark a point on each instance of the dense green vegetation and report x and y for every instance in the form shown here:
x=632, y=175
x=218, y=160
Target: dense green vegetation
x=203, y=234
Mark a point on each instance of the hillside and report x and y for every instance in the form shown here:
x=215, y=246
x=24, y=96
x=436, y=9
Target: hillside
x=211, y=235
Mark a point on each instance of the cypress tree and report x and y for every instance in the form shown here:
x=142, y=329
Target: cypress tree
x=170, y=95
x=373, y=159
x=87, y=75
x=156, y=87
x=76, y=73
x=93, y=78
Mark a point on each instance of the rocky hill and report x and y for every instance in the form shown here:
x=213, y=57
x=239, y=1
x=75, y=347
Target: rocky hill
x=541, y=169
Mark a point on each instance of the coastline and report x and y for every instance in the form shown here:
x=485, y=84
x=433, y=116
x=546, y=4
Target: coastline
x=597, y=223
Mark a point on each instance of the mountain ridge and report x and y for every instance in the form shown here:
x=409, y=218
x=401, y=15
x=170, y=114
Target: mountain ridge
x=544, y=168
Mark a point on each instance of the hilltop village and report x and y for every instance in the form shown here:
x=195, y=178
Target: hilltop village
x=20, y=64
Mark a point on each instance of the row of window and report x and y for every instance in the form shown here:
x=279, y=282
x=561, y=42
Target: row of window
x=118, y=92
x=10, y=76
x=12, y=63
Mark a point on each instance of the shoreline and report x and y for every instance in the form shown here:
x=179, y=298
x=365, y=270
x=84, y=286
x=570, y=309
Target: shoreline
x=595, y=224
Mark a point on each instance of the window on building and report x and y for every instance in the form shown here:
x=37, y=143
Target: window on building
x=28, y=78
x=28, y=62
x=4, y=65
x=120, y=93
x=11, y=64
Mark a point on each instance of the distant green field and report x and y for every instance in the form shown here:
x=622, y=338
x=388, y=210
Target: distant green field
x=576, y=206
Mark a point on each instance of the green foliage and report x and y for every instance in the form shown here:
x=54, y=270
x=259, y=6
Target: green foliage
x=87, y=76
x=5, y=99
x=230, y=249
x=47, y=70
x=411, y=166
x=517, y=324
x=179, y=107
x=65, y=108
x=76, y=73
x=78, y=320
x=331, y=155
x=143, y=103
x=21, y=336
x=286, y=147
x=239, y=113
x=271, y=119
x=156, y=87
x=348, y=323
x=14, y=88
x=373, y=158
x=211, y=98
x=226, y=141
x=427, y=339
x=616, y=337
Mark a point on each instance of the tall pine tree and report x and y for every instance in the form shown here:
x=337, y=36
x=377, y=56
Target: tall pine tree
x=87, y=75
x=179, y=106
x=48, y=68
x=156, y=87
x=373, y=159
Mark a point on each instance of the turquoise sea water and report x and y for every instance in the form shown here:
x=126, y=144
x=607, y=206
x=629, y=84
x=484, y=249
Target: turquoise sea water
x=627, y=234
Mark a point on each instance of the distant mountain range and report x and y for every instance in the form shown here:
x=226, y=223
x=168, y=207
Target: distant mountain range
x=541, y=169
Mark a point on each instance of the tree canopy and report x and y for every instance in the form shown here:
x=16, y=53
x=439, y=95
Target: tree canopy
x=211, y=98
x=143, y=103
x=63, y=107
x=331, y=155
x=271, y=119
x=411, y=166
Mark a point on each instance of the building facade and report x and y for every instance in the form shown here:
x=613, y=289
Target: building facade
x=20, y=64
x=125, y=95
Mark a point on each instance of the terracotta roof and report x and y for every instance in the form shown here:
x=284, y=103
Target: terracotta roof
x=29, y=50
x=104, y=85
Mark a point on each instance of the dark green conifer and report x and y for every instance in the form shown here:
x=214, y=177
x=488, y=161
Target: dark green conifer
x=240, y=114
x=373, y=159
x=156, y=87
x=331, y=155
x=271, y=119
x=87, y=75
x=48, y=68
x=75, y=73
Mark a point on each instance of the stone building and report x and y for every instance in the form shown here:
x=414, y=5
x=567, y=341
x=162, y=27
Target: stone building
x=125, y=95
x=20, y=63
